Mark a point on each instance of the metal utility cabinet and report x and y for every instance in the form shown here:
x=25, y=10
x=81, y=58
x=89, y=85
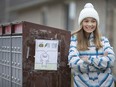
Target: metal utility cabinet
x=17, y=56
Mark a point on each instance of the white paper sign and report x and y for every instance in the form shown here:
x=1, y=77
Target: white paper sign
x=46, y=53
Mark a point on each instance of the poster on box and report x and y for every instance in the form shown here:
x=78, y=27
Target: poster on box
x=46, y=54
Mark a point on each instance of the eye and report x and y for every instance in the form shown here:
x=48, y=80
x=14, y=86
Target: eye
x=93, y=21
x=86, y=21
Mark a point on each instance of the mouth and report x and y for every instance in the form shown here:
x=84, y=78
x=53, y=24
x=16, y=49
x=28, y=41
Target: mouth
x=89, y=28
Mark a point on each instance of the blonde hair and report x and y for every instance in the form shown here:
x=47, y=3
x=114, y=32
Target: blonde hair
x=83, y=42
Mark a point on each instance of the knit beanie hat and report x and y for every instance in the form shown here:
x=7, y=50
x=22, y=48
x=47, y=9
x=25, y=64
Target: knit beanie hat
x=88, y=11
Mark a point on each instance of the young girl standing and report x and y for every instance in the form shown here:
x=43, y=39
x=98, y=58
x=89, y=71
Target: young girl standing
x=90, y=55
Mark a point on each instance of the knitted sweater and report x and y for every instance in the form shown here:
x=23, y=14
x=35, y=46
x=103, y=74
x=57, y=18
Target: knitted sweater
x=96, y=71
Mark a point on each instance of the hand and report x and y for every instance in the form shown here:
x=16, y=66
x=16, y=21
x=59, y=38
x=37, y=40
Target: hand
x=106, y=54
x=84, y=58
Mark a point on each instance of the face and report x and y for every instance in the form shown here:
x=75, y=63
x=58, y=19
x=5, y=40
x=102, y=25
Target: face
x=89, y=24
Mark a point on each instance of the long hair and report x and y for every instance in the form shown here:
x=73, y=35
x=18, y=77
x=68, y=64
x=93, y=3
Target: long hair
x=83, y=42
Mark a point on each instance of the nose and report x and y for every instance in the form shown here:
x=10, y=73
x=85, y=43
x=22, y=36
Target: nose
x=89, y=23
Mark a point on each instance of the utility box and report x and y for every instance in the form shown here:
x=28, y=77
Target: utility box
x=5, y=56
x=20, y=49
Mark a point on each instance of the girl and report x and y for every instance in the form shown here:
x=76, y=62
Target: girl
x=90, y=55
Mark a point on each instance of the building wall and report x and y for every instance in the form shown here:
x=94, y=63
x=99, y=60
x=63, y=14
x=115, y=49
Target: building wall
x=50, y=15
x=114, y=27
x=114, y=40
x=46, y=12
x=2, y=10
x=55, y=14
x=31, y=15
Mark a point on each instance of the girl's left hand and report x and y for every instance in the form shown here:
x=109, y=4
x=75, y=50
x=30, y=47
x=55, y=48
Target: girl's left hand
x=84, y=58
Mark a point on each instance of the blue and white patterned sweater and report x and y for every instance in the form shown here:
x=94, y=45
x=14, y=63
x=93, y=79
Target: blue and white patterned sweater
x=96, y=72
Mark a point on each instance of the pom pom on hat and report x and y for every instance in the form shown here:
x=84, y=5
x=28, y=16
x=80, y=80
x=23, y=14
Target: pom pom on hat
x=88, y=5
x=88, y=11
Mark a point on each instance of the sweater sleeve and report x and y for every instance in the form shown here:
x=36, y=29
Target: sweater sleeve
x=75, y=62
x=103, y=62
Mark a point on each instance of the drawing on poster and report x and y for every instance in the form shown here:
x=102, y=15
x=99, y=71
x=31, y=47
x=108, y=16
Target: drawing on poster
x=44, y=57
x=46, y=53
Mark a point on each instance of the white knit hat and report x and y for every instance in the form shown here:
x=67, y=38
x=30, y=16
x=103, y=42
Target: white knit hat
x=88, y=11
